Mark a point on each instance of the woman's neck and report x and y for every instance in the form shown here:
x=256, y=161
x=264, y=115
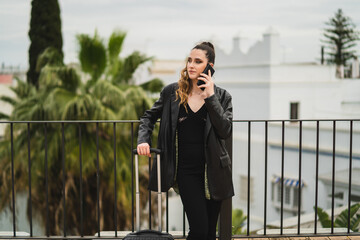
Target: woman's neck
x=195, y=89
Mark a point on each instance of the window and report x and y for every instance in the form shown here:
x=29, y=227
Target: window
x=290, y=193
x=355, y=198
x=244, y=188
x=296, y=197
x=294, y=110
x=338, y=195
x=278, y=192
x=339, y=199
x=287, y=195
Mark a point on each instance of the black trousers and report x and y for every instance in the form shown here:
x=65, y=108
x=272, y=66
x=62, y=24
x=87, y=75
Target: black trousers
x=202, y=214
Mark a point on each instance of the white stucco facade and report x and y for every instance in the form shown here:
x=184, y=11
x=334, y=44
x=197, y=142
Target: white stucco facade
x=264, y=88
x=5, y=107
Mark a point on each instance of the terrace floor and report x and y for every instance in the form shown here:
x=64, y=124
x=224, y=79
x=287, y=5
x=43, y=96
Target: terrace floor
x=177, y=235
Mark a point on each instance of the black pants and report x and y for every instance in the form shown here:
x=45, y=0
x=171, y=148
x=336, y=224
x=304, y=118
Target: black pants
x=202, y=214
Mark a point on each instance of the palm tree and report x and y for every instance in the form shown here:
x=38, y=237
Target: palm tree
x=108, y=94
x=96, y=59
x=342, y=219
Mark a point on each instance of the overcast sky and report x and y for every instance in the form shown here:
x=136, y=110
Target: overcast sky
x=168, y=29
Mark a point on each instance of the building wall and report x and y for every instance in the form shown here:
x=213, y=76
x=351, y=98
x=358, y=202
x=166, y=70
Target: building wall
x=22, y=222
x=263, y=90
x=5, y=107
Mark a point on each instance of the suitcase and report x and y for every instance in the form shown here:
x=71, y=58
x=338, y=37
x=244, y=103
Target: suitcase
x=147, y=234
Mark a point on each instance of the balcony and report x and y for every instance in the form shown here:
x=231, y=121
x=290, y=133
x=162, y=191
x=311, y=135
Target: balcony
x=283, y=171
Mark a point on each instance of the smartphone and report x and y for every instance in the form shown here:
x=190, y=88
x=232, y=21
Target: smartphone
x=206, y=71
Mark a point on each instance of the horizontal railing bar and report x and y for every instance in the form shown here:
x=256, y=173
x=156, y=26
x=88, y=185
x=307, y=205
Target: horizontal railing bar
x=79, y=121
x=270, y=236
x=302, y=235
x=297, y=120
x=137, y=121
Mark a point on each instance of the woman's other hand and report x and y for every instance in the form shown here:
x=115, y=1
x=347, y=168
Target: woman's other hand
x=143, y=149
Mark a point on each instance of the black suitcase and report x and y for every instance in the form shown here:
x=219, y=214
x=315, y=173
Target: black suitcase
x=147, y=234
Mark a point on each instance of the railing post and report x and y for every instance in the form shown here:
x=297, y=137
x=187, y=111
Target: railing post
x=225, y=227
x=13, y=178
x=63, y=176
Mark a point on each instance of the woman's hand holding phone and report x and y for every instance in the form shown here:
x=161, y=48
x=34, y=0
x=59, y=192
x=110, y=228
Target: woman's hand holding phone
x=205, y=82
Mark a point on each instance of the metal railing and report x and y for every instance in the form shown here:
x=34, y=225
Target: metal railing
x=299, y=125
x=225, y=216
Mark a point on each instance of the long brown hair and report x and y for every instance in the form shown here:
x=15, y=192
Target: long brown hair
x=184, y=82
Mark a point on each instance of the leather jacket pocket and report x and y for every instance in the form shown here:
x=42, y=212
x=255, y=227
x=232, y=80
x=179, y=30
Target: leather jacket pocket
x=225, y=160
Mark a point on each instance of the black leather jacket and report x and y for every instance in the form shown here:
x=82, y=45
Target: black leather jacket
x=217, y=129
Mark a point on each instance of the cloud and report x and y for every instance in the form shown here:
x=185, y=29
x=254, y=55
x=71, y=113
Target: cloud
x=168, y=29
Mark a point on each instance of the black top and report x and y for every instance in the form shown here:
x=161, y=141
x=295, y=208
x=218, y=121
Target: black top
x=191, y=127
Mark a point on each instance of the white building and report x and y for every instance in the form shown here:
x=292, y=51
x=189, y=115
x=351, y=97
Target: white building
x=265, y=88
x=6, y=81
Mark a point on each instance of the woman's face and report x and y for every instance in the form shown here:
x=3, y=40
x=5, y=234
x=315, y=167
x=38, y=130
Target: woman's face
x=196, y=63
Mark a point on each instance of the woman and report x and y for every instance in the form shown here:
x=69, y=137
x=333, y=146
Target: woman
x=194, y=126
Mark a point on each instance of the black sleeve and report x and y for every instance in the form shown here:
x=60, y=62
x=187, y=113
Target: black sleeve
x=220, y=114
x=148, y=120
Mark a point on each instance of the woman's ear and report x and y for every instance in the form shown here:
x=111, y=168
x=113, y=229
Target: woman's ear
x=211, y=64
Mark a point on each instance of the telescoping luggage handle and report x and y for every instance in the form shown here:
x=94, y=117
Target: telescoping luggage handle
x=137, y=194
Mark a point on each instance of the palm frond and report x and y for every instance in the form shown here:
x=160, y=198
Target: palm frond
x=323, y=218
x=238, y=221
x=69, y=78
x=8, y=100
x=23, y=89
x=4, y=116
x=50, y=56
x=115, y=44
x=92, y=55
x=109, y=94
x=154, y=86
x=129, y=66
